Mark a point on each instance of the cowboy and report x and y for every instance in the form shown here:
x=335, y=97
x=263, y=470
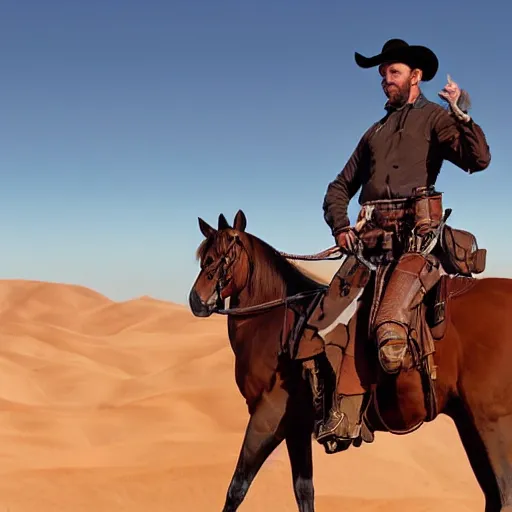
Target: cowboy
x=399, y=156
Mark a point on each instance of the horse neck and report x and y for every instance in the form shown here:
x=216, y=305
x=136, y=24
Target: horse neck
x=272, y=277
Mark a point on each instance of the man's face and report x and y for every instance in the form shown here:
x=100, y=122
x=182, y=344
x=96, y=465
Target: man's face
x=396, y=82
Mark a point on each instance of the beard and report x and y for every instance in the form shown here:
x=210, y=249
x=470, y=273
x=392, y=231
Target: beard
x=397, y=96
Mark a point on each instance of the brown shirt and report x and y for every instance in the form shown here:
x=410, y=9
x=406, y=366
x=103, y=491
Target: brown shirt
x=404, y=150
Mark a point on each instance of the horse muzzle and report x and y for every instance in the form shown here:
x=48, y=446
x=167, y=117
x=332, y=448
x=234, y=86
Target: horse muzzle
x=198, y=307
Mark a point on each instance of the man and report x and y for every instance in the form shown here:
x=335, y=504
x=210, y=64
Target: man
x=397, y=156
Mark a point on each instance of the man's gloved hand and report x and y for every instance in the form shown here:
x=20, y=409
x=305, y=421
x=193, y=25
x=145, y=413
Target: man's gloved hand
x=456, y=98
x=346, y=240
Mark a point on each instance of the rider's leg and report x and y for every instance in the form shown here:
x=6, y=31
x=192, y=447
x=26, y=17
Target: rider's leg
x=352, y=391
x=335, y=306
x=412, y=278
x=414, y=275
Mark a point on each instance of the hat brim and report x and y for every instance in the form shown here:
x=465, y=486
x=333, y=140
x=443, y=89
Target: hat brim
x=414, y=56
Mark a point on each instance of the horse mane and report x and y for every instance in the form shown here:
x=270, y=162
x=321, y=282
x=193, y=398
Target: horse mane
x=278, y=276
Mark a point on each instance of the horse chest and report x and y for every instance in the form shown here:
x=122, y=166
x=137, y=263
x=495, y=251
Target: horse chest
x=256, y=357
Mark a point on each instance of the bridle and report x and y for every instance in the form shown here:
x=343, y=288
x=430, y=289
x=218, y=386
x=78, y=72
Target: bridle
x=224, y=264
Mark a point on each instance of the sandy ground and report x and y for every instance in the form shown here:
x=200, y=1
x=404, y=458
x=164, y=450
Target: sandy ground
x=132, y=406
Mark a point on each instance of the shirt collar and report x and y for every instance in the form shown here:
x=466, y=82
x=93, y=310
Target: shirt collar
x=420, y=102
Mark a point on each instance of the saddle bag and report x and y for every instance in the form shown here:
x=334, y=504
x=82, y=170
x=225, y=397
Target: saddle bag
x=460, y=252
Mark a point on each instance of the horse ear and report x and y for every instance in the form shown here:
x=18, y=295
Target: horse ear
x=240, y=221
x=205, y=228
x=223, y=223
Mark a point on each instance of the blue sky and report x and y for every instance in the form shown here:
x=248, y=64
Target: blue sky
x=123, y=121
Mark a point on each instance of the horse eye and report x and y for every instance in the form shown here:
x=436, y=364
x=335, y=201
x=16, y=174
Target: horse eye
x=208, y=261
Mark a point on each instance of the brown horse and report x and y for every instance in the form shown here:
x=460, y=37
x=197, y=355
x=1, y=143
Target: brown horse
x=474, y=380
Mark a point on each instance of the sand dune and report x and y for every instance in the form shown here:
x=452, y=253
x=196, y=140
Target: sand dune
x=132, y=406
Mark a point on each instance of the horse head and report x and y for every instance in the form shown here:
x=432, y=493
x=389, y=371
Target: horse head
x=224, y=263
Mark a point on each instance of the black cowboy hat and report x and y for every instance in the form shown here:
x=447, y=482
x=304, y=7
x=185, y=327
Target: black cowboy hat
x=397, y=50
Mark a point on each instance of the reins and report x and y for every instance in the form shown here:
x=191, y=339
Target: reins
x=267, y=306
x=333, y=253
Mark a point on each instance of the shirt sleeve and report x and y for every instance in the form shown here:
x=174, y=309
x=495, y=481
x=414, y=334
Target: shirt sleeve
x=462, y=143
x=343, y=188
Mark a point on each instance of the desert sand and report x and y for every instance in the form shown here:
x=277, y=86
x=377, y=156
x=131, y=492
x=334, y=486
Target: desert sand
x=132, y=406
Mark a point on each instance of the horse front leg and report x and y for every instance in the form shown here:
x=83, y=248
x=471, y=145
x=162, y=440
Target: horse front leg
x=299, y=426
x=264, y=433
